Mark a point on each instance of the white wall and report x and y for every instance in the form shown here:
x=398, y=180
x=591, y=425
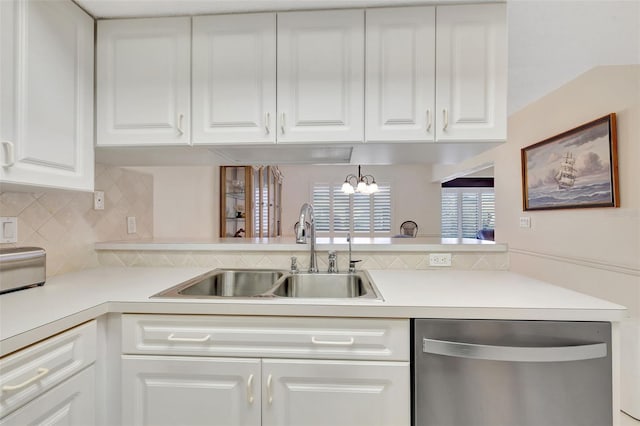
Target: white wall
x=414, y=196
x=185, y=202
x=553, y=41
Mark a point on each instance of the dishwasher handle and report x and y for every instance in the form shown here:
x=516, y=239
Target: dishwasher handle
x=514, y=353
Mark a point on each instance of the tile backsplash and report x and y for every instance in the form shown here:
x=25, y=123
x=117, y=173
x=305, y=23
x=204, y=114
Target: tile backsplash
x=65, y=224
x=475, y=261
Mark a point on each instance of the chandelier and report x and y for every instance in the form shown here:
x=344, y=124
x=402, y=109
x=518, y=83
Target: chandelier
x=364, y=184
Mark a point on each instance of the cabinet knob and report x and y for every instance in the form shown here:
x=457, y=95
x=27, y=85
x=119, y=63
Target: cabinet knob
x=282, y=123
x=445, y=119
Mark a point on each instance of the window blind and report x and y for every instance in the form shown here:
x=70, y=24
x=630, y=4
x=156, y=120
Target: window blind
x=336, y=212
x=466, y=210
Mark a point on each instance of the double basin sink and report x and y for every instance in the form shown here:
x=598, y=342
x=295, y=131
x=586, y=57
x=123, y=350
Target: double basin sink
x=269, y=283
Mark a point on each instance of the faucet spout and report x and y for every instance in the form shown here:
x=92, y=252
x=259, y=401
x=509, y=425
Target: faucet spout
x=306, y=215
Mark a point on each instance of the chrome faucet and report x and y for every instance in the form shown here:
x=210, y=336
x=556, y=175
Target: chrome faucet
x=306, y=212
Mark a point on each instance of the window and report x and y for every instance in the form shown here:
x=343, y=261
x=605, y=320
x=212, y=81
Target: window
x=336, y=212
x=465, y=210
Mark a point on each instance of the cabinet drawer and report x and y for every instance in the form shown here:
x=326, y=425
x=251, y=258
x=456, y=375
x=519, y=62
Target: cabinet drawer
x=28, y=373
x=266, y=337
x=70, y=403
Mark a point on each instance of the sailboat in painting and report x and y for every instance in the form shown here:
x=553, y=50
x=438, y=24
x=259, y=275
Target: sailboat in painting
x=566, y=176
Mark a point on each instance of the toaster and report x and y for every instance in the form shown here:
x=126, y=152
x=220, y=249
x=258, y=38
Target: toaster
x=21, y=267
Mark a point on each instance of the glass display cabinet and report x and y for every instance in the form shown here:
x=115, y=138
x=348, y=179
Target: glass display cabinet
x=250, y=201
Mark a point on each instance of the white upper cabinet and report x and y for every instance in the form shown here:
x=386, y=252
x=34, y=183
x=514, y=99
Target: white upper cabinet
x=400, y=74
x=46, y=95
x=321, y=76
x=234, y=79
x=471, y=73
x=143, y=81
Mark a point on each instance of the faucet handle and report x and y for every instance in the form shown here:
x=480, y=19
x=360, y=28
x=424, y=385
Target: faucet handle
x=352, y=265
x=294, y=265
x=333, y=264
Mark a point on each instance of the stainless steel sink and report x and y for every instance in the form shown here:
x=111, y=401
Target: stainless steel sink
x=325, y=285
x=271, y=283
x=226, y=283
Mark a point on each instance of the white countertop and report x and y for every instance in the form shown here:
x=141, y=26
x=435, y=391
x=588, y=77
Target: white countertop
x=419, y=244
x=67, y=300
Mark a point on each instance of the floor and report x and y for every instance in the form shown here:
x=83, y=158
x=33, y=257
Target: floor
x=626, y=420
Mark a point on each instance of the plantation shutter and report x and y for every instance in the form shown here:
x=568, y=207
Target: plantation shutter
x=341, y=213
x=382, y=209
x=322, y=207
x=449, y=217
x=465, y=211
x=470, y=214
x=361, y=213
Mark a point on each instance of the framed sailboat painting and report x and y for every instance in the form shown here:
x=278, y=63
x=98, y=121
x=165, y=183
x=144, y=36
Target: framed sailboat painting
x=575, y=169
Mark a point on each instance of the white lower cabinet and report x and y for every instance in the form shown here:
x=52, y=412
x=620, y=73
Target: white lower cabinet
x=363, y=377
x=190, y=391
x=335, y=393
x=70, y=403
x=51, y=382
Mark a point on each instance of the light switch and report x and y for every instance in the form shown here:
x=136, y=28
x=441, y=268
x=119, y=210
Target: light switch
x=525, y=222
x=9, y=228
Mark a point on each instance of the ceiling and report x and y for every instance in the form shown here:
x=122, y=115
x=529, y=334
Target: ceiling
x=142, y=8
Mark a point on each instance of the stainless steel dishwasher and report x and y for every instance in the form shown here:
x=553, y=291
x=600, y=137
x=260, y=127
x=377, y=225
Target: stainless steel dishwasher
x=511, y=373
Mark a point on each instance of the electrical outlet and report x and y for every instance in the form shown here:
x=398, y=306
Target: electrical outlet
x=439, y=259
x=131, y=224
x=98, y=200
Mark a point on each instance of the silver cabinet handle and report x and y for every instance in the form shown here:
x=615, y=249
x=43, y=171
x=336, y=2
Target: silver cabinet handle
x=445, y=119
x=429, y=120
x=267, y=123
x=250, y=389
x=349, y=342
x=172, y=338
x=180, y=130
x=282, y=123
x=514, y=353
x=269, y=390
x=41, y=372
x=10, y=158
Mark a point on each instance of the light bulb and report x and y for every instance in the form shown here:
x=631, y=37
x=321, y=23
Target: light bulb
x=373, y=187
x=347, y=188
x=362, y=187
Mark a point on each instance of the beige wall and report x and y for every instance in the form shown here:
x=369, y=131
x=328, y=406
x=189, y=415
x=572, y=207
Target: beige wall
x=65, y=224
x=186, y=202
x=414, y=196
x=602, y=238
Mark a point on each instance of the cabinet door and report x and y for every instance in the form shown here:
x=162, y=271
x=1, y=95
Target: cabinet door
x=471, y=73
x=70, y=403
x=336, y=393
x=143, y=81
x=190, y=391
x=400, y=79
x=234, y=79
x=321, y=76
x=46, y=91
